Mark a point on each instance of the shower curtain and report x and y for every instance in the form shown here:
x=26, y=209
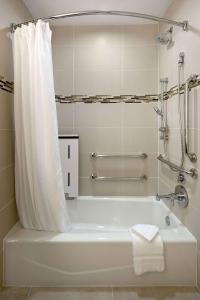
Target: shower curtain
x=38, y=178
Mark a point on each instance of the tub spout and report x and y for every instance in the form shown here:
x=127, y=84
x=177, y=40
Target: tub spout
x=180, y=196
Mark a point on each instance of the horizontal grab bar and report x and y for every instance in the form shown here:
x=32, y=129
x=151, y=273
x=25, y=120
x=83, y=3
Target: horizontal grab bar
x=96, y=155
x=192, y=172
x=102, y=178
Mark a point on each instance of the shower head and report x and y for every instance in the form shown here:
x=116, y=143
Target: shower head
x=158, y=111
x=165, y=38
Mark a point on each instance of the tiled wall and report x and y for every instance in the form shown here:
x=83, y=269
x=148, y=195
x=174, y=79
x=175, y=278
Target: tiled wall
x=189, y=42
x=10, y=11
x=109, y=60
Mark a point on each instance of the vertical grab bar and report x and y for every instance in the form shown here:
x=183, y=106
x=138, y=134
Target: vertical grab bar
x=192, y=156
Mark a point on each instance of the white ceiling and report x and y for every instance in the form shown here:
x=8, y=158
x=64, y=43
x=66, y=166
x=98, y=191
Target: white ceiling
x=44, y=8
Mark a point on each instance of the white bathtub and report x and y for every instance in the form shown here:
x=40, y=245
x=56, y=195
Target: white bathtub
x=98, y=250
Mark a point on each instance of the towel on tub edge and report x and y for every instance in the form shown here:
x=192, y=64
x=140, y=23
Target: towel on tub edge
x=148, y=250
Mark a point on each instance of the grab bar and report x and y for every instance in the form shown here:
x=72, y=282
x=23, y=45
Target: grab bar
x=102, y=178
x=96, y=155
x=192, y=172
x=191, y=156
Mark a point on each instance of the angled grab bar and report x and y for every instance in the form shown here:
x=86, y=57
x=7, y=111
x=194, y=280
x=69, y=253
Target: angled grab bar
x=96, y=155
x=192, y=172
x=110, y=178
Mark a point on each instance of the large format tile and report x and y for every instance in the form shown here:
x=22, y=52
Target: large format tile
x=139, y=115
x=98, y=82
x=99, y=56
x=93, y=35
x=8, y=217
x=65, y=115
x=63, y=81
x=6, y=110
x=139, y=82
x=140, y=140
x=140, y=57
x=6, y=186
x=139, y=34
x=7, y=148
x=99, y=139
x=62, y=35
x=62, y=57
x=71, y=294
x=98, y=115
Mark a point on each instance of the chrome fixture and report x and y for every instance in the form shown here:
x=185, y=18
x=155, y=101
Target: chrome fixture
x=180, y=196
x=181, y=62
x=167, y=220
x=163, y=112
x=192, y=156
x=192, y=172
x=96, y=155
x=158, y=111
x=181, y=177
x=165, y=38
x=183, y=25
x=110, y=178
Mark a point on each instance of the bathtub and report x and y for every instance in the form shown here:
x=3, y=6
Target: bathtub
x=98, y=249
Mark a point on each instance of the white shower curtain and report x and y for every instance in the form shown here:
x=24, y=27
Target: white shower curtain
x=39, y=186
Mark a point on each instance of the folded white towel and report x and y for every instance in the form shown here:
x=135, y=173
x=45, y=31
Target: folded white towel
x=147, y=255
x=145, y=230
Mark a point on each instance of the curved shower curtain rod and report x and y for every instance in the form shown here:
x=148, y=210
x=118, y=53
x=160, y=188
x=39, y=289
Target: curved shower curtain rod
x=183, y=25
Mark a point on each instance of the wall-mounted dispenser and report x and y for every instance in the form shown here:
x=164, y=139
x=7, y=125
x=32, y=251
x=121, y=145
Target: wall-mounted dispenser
x=69, y=154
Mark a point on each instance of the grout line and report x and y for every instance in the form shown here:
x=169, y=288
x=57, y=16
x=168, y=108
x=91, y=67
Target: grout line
x=112, y=291
x=7, y=167
x=29, y=293
x=8, y=204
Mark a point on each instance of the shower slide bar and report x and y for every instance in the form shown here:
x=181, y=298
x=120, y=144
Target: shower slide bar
x=96, y=155
x=192, y=172
x=102, y=178
x=183, y=24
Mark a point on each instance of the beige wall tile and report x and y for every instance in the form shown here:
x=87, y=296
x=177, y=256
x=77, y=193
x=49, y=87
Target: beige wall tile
x=140, y=139
x=133, y=82
x=190, y=44
x=102, y=82
x=108, y=60
x=7, y=148
x=8, y=217
x=6, y=110
x=91, y=35
x=65, y=115
x=98, y=115
x=140, y=188
x=139, y=34
x=62, y=35
x=6, y=186
x=99, y=56
x=140, y=57
x=63, y=82
x=1, y=266
x=11, y=11
x=62, y=57
x=139, y=115
x=99, y=139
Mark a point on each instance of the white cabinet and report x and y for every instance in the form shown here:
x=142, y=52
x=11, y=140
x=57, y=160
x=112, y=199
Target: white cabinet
x=69, y=154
